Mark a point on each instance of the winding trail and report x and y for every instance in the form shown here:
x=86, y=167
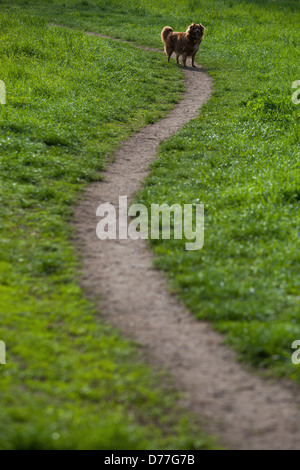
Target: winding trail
x=244, y=410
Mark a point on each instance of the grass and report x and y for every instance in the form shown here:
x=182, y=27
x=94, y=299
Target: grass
x=240, y=158
x=70, y=381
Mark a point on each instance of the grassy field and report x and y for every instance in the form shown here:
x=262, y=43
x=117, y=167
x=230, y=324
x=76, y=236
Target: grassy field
x=70, y=381
x=240, y=158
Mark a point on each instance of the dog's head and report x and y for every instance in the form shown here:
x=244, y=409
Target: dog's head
x=196, y=31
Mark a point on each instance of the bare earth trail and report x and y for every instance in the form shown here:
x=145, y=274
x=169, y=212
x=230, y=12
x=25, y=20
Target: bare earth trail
x=242, y=409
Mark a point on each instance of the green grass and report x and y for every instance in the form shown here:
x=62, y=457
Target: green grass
x=70, y=381
x=240, y=158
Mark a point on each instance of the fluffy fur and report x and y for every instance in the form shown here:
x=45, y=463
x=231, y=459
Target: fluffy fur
x=183, y=44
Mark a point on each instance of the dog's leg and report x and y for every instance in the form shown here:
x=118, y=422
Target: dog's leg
x=169, y=52
x=193, y=61
x=177, y=59
x=184, y=60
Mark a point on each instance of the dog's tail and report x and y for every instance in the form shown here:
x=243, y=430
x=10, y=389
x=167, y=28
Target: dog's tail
x=165, y=33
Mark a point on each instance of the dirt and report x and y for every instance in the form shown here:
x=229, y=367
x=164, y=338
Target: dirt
x=243, y=409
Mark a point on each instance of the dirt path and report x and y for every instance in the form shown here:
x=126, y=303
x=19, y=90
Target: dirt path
x=246, y=411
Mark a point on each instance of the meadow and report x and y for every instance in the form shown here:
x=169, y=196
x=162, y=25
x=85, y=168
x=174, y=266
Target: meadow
x=240, y=158
x=70, y=381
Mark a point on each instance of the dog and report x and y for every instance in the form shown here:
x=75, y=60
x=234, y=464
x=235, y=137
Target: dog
x=183, y=44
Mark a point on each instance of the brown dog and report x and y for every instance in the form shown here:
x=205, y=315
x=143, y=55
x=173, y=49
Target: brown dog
x=185, y=44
